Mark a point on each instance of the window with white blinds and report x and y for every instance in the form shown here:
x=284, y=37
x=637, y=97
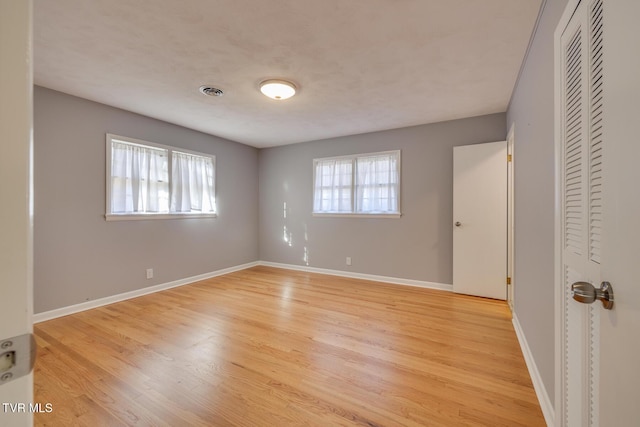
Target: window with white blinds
x=363, y=184
x=147, y=180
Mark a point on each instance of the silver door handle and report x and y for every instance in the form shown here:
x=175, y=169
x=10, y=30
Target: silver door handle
x=586, y=293
x=458, y=224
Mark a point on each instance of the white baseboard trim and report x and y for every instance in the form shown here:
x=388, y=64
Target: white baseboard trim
x=352, y=275
x=76, y=308
x=543, y=398
x=65, y=311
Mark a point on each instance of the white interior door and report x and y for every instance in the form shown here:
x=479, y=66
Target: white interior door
x=597, y=370
x=620, y=327
x=580, y=259
x=15, y=214
x=480, y=219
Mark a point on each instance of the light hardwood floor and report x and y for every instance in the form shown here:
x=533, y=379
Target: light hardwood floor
x=272, y=347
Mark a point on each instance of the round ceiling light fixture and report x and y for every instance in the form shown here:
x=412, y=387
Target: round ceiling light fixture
x=278, y=89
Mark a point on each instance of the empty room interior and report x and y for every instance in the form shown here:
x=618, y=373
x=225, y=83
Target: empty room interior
x=209, y=251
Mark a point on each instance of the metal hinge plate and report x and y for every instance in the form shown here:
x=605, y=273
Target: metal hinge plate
x=508, y=280
x=509, y=157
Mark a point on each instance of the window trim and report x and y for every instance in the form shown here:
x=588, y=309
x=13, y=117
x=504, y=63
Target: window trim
x=354, y=213
x=110, y=216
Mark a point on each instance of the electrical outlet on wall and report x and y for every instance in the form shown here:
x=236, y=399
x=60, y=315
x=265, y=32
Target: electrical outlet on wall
x=149, y=273
x=348, y=260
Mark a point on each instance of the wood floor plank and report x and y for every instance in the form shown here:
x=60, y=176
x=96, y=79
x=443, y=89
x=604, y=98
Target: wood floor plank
x=273, y=347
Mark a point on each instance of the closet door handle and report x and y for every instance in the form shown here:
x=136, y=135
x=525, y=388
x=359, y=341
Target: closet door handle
x=586, y=293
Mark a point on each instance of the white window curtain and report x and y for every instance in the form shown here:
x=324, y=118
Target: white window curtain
x=139, y=179
x=192, y=183
x=377, y=183
x=332, y=187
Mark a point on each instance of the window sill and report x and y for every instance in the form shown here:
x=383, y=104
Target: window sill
x=145, y=216
x=357, y=215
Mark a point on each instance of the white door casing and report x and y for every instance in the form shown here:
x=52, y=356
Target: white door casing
x=597, y=233
x=480, y=207
x=16, y=259
x=511, y=218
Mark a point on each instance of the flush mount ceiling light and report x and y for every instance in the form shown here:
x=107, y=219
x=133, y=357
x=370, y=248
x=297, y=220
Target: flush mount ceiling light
x=278, y=89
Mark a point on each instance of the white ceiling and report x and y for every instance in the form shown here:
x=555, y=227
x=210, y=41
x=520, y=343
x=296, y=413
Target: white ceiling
x=361, y=65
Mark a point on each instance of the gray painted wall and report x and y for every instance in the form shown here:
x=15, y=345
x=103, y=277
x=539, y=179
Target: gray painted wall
x=416, y=246
x=79, y=256
x=531, y=110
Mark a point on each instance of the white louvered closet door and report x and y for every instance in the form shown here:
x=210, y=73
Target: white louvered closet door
x=581, y=145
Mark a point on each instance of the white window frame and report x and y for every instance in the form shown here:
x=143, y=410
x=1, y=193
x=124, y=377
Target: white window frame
x=110, y=216
x=354, y=213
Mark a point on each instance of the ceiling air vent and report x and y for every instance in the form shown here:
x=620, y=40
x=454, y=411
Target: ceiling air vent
x=211, y=91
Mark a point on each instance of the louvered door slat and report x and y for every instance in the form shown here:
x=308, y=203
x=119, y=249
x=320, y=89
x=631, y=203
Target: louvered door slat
x=573, y=131
x=595, y=131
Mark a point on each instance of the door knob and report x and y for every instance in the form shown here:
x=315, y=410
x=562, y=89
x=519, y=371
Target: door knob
x=458, y=223
x=586, y=293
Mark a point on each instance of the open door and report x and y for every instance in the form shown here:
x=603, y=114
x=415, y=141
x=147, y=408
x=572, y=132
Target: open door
x=16, y=86
x=480, y=220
